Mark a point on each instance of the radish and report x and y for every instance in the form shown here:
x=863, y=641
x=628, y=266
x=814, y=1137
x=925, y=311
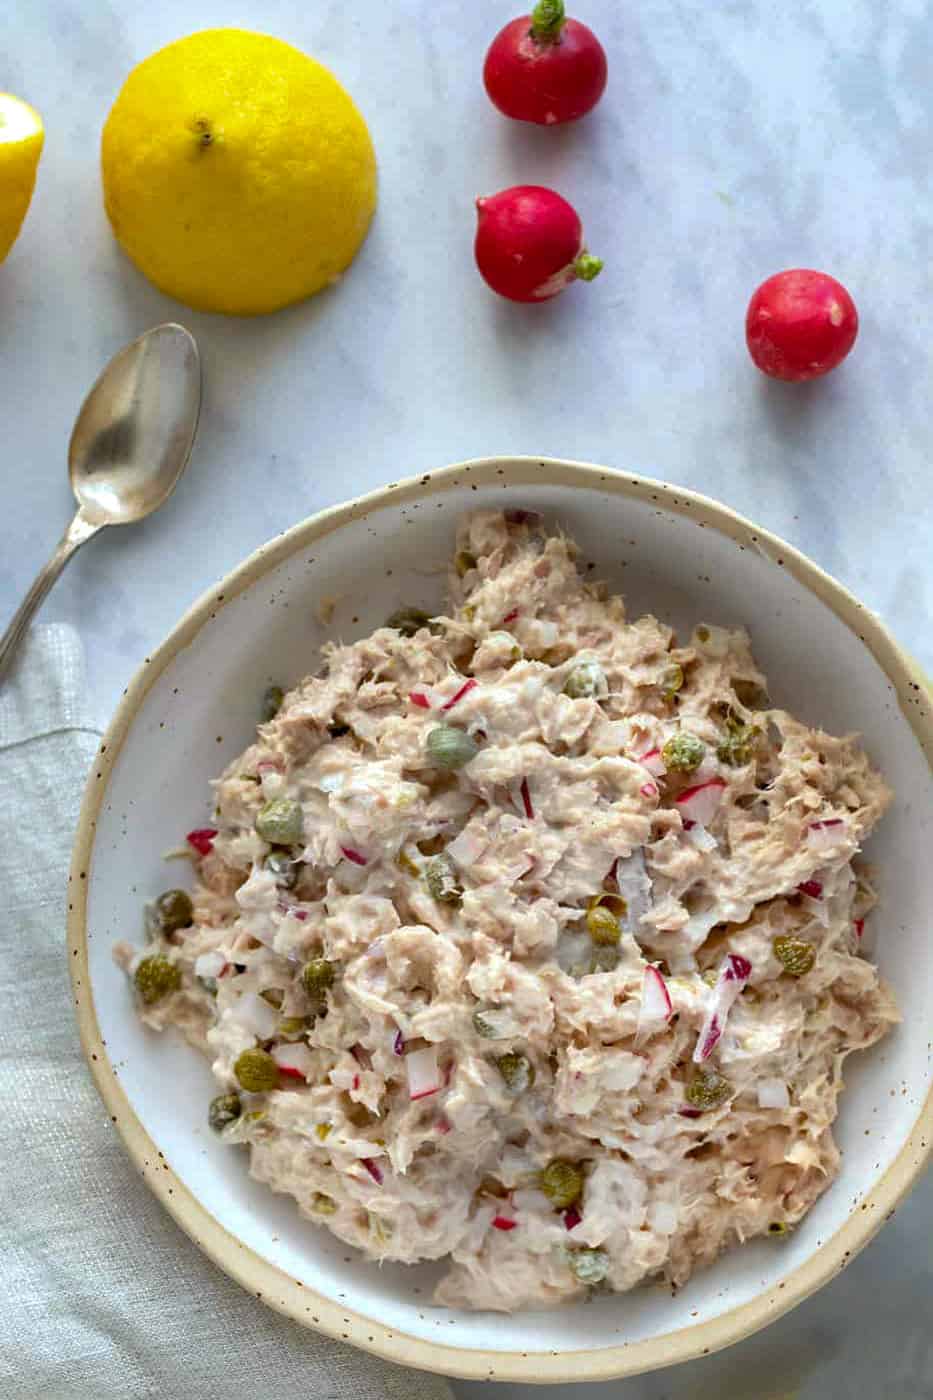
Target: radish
x=294, y=1060
x=823, y=835
x=800, y=324
x=423, y=1073
x=698, y=805
x=373, y=1168
x=812, y=888
x=656, y=1007
x=202, y=840
x=545, y=68
x=418, y=697
x=529, y=244
x=350, y=854
x=733, y=975
x=572, y=1218
x=502, y=1222
x=654, y=763
x=459, y=694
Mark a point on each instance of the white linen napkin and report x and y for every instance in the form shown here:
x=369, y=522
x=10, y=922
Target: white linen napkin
x=101, y=1294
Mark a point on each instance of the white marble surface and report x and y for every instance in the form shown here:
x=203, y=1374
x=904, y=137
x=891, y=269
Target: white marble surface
x=734, y=139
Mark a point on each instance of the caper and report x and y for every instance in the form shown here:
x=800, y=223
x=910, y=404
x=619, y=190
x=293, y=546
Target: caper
x=517, y=1071
x=283, y=869
x=586, y=681
x=464, y=561
x=408, y=621
x=702, y=633
x=256, y=1071
x=317, y=975
x=155, y=978
x=225, y=1109
x=589, y=1265
x=683, y=752
x=174, y=910
x=272, y=702
x=441, y=880
x=281, y=822
x=451, y=748
x=795, y=955
x=603, y=925
x=562, y=1182
x=707, y=1089
x=291, y=1026
x=738, y=746
x=672, y=681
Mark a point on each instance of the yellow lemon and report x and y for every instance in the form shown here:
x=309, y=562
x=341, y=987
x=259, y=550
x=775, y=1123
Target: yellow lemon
x=238, y=174
x=21, y=137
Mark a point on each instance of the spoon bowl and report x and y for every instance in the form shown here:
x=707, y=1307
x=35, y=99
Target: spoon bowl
x=129, y=446
x=136, y=428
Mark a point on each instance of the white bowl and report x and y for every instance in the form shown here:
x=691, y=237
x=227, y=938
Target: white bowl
x=193, y=707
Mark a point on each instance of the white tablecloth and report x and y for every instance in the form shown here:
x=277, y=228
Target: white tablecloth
x=101, y=1295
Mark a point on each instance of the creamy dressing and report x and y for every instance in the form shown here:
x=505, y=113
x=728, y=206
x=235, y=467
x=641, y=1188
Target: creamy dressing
x=580, y=945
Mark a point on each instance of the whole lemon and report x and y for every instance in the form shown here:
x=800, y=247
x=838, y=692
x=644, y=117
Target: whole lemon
x=21, y=137
x=238, y=174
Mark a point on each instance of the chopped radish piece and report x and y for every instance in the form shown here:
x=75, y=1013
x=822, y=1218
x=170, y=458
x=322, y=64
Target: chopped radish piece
x=350, y=854
x=648, y=790
x=822, y=835
x=458, y=695
x=467, y=848
x=510, y=617
x=502, y=1222
x=773, y=1093
x=733, y=975
x=859, y=926
x=418, y=697
x=255, y=1015
x=702, y=839
x=294, y=1060
x=270, y=765
x=526, y=800
x=654, y=763
x=424, y=1077
x=813, y=888
x=398, y=1044
x=356, y=1082
x=656, y=1008
x=374, y=1169
x=209, y=965
x=202, y=840
x=689, y=1112
x=441, y=1125
x=572, y=1218
x=700, y=803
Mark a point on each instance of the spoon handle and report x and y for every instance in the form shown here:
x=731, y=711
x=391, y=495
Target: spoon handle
x=74, y=537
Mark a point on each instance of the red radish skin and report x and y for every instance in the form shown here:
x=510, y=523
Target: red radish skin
x=202, y=840
x=545, y=68
x=800, y=325
x=529, y=244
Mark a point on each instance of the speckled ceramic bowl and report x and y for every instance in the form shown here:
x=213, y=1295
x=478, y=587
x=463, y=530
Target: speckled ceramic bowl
x=193, y=707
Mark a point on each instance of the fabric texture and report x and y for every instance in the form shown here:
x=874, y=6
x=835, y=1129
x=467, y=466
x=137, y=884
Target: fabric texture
x=103, y=1295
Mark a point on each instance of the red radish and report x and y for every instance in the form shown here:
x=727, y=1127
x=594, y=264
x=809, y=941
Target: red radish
x=373, y=1168
x=699, y=804
x=813, y=888
x=656, y=1007
x=424, y=1076
x=648, y=790
x=733, y=975
x=294, y=1060
x=459, y=694
x=350, y=854
x=418, y=697
x=526, y=800
x=441, y=1125
x=398, y=1044
x=572, y=1217
x=356, y=1083
x=823, y=835
x=511, y=616
x=529, y=244
x=800, y=324
x=654, y=763
x=545, y=68
x=502, y=1222
x=202, y=840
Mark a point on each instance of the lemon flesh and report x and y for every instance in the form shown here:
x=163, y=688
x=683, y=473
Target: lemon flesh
x=238, y=174
x=21, y=138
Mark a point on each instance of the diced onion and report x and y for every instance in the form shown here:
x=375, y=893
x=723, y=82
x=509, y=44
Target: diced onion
x=467, y=848
x=255, y=1015
x=423, y=1072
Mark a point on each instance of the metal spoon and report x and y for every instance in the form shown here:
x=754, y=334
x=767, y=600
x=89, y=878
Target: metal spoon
x=129, y=446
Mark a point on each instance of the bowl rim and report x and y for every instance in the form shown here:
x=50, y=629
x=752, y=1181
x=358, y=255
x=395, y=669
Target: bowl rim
x=268, y=1281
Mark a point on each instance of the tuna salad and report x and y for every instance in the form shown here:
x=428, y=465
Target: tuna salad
x=529, y=939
